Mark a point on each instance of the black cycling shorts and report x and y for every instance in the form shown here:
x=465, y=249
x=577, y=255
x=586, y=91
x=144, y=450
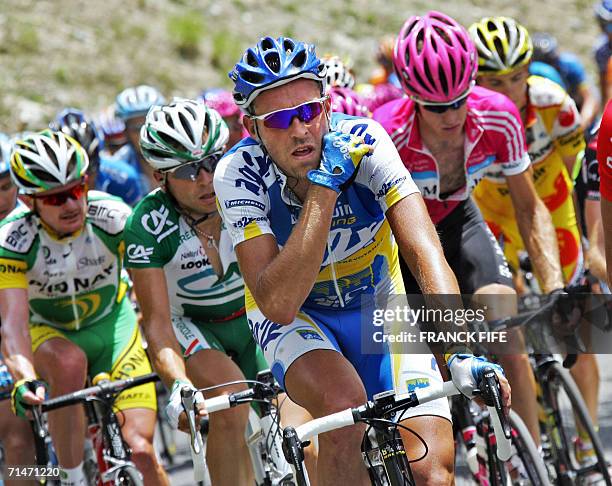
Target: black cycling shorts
x=470, y=249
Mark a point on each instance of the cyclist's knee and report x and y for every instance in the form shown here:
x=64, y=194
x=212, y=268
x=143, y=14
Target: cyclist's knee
x=230, y=422
x=143, y=453
x=72, y=374
x=439, y=474
x=337, y=399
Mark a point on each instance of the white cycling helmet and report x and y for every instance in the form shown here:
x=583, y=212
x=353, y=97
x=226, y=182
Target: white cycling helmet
x=133, y=102
x=338, y=73
x=47, y=160
x=182, y=132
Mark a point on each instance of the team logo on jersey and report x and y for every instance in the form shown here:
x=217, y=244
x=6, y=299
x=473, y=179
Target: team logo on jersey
x=415, y=383
x=567, y=117
x=244, y=202
x=156, y=222
x=138, y=253
x=255, y=169
x=309, y=334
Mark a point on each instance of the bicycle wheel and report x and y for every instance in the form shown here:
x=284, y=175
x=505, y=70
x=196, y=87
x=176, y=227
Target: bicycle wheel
x=568, y=413
x=527, y=452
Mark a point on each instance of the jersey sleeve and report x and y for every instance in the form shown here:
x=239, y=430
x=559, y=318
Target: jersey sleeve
x=146, y=235
x=383, y=171
x=566, y=131
x=242, y=192
x=604, y=153
x=512, y=148
x=17, y=245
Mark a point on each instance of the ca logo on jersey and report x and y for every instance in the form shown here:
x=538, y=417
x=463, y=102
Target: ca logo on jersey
x=139, y=254
x=156, y=222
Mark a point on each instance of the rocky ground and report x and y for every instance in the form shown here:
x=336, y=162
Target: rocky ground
x=55, y=53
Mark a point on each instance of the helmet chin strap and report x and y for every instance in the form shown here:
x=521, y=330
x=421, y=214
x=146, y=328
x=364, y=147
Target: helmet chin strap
x=191, y=221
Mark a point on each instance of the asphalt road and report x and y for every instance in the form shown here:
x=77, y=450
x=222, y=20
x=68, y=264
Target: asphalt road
x=183, y=476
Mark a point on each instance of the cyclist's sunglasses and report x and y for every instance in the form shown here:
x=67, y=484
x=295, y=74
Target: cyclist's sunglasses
x=306, y=112
x=440, y=108
x=60, y=198
x=190, y=171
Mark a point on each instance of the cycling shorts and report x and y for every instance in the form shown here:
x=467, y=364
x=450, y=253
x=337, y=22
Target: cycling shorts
x=113, y=345
x=233, y=338
x=470, y=249
x=339, y=330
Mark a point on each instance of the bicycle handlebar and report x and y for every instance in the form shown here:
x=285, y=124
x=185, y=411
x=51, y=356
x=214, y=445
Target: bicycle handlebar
x=105, y=388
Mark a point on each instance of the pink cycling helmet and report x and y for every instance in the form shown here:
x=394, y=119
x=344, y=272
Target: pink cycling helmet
x=220, y=100
x=434, y=58
x=345, y=100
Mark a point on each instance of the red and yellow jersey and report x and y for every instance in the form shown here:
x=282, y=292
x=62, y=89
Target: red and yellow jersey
x=553, y=132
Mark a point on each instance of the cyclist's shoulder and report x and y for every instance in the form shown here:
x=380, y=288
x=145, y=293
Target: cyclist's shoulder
x=482, y=101
x=18, y=231
x=107, y=212
x=544, y=93
x=158, y=202
x=570, y=61
x=394, y=114
x=245, y=166
x=114, y=166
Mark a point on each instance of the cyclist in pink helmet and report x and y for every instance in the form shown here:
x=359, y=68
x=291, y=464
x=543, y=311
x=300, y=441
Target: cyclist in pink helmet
x=434, y=58
x=222, y=101
x=345, y=100
x=450, y=134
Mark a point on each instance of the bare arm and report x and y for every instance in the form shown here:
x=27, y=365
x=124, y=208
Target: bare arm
x=420, y=246
x=537, y=230
x=281, y=281
x=164, y=350
x=590, y=105
x=596, y=261
x=16, y=340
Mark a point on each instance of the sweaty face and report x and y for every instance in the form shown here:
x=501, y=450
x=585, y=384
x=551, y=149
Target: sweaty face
x=296, y=149
x=443, y=125
x=197, y=197
x=8, y=196
x=513, y=85
x=66, y=218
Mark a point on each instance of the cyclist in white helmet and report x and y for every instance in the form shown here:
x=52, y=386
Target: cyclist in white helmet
x=15, y=438
x=131, y=106
x=63, y=304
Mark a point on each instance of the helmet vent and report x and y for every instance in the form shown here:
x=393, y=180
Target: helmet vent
x=185, y=124
x=251, y=59
x=266, y=44
x=499, y=48
x=272, y=60
x=288, y=46
x=299, y=60
x=250, y=77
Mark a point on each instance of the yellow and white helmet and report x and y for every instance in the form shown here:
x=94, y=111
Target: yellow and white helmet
x=502, y=43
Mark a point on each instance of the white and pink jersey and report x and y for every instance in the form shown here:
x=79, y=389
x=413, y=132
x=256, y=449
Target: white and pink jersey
x=494, y=134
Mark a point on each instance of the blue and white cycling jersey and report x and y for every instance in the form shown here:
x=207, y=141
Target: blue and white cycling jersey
x=361, y=255
x=119, y=177
x=361, y=259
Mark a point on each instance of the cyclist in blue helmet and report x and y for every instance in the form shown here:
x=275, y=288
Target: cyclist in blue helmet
x=106, y=173
x=15, y=437
x=317, y=205
x=572, y=72
x=603, y=46
x=131, y=106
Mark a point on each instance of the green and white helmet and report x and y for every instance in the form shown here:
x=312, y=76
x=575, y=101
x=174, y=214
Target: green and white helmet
x=182, y=132
x=47, y=160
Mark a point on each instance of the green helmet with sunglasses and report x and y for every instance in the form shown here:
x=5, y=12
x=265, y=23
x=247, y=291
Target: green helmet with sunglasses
x=180, y=133
x=47, y=160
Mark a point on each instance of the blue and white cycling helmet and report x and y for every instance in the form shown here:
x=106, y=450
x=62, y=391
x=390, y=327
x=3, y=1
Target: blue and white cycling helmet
x=603, y=11
x=76, y=124
x=272, y=63
x=6, y=147
x=136, y=101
